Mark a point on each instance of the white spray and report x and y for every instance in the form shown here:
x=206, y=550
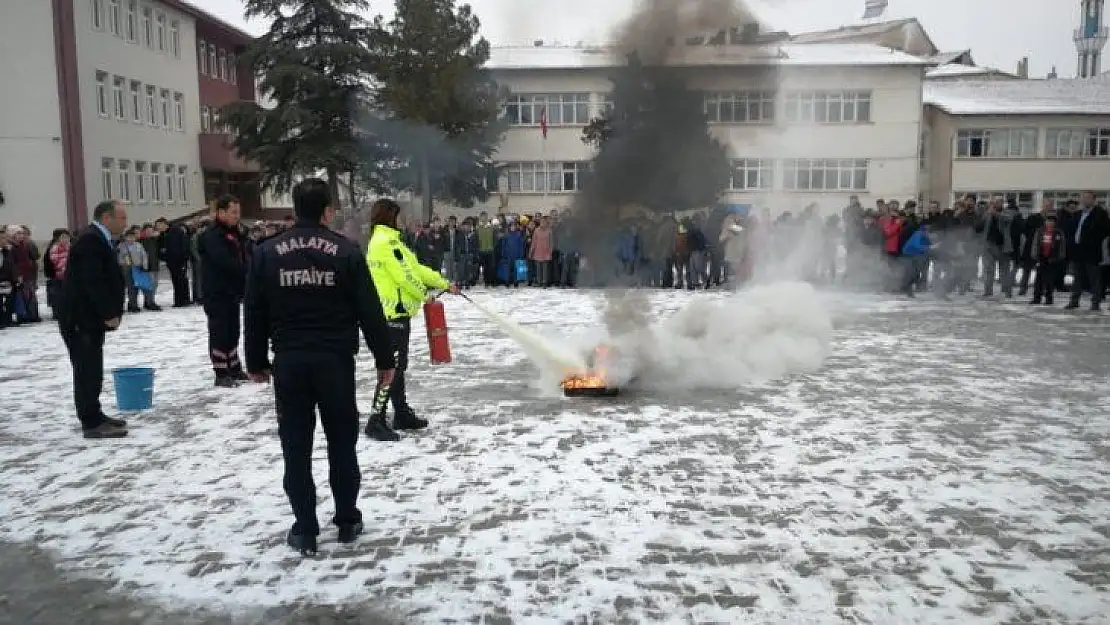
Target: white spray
x=550, y=358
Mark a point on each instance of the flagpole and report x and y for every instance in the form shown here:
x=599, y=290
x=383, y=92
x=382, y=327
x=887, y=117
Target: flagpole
x=543, y=156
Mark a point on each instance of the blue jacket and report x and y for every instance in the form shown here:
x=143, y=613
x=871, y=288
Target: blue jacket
x=512, y=246
x=628, y=247
x=917, y=245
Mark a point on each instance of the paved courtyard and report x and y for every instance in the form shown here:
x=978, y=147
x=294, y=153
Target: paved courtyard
x=947, y=463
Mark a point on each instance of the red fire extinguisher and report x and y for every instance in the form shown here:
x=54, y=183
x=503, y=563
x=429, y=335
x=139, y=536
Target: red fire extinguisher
x=439, y=348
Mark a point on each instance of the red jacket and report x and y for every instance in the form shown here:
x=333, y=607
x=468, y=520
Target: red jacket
x=892, y=231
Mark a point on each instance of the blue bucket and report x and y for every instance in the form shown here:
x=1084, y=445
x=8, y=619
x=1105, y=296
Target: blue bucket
x=134, y=388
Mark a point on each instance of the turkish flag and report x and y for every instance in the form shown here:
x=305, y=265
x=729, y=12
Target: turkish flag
x=543, y=121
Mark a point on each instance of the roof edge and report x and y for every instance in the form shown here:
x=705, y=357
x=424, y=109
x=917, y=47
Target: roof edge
x=200, y=14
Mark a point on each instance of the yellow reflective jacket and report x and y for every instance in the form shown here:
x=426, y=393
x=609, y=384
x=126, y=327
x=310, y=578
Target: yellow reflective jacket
x=401, y=281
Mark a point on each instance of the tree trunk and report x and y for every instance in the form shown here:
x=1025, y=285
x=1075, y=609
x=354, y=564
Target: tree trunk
x=425, y=188
x=333, y=189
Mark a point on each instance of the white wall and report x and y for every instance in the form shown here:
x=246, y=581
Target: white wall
x=110, y=138
x=31, y=166
x=890, y=141
x=952, y=176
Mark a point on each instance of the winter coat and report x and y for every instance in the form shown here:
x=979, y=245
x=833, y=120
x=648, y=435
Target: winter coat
x=1092, y=238
x=891, y=228
x=58, y=256
x=94, y=292
x=7, y=270
x=25, y=257
x=543, y=246
x=153, y=247
x=131, y=255
x=628, y=247
x=466, y=243
x=486, y=238
x=175, y=242
x=512, y=245
x=223, y=254
x=1057, y=246
x=917, y=245
x=1002, y=232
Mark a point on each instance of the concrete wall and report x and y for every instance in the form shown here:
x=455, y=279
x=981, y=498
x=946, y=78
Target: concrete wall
x=889, y=141
x=107, y=137
x=31, y=167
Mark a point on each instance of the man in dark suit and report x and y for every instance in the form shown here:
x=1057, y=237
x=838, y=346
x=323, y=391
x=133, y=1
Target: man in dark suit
x=1090, y=227
x=175, y=251
x=92, y=305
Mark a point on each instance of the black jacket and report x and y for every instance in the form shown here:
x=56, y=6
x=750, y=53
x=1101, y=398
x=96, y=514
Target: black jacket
x=309, y=290
x=93, y=290
x=1092, y=239
x=175, y=242
x=223, y=261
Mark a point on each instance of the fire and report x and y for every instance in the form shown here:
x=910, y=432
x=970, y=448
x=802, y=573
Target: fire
x=595, y=377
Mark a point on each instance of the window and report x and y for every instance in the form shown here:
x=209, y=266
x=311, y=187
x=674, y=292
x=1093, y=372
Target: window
x=563, y=109
x=1000, y=143
x=213, y=65
x=115, y=18
x=140, y=181
x=179, y=111
x=170, y=185
x=565, y=177
x=175, y=39
x=205, y=119
x=119, y=104
x=923, y=152
x=148, y=27
x=751, y=174
x=740, y=107
x=1023, y=199
x=1065, y=142
x=526, y=177
x=223, y=65
x=136, y=102
x=155, y=182
x=182, y=185
x=203, y=48
x=1059, y=198
x=233, y=69
x=1098, y=142
x=151, y=109
x=97, y=14
x=164, y=101
x=106, y=178
x=825, y=174
x=160, y=30
x=131, y=24
x=125, y=181
x=828, y=107
x=102, y=93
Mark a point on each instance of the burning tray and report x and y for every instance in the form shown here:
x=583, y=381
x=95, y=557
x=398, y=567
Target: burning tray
x=591, y=391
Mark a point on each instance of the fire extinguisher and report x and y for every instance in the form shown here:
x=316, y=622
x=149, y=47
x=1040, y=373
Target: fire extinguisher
x=439, y=348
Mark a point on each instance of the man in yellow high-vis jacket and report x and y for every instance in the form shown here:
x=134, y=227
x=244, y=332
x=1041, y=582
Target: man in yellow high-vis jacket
x=403, y=285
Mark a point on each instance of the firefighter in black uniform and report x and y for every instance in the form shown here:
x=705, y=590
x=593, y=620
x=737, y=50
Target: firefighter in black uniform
x=308, y=293
x=223, y=252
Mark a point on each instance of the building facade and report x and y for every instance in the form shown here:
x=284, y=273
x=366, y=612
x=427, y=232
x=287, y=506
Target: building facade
x=1026, y=140
x=808, y=124
x=108, y=108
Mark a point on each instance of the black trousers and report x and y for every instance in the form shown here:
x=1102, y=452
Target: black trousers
x=180, y=280
x=303, y=382
x=86, y=355
x=399, y=331
x=1088, y=277
x=223, y=334
x=1044, y=282
x=489, y=270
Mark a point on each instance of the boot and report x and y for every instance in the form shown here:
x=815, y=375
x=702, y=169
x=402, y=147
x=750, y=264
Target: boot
x=226, y=381
x=379, y=430
x=406, y=419
x=152, y=307
x=305, y=545
x=349, y=532
x=133, y=308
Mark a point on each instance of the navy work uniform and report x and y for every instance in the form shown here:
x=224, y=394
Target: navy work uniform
x=309, y=292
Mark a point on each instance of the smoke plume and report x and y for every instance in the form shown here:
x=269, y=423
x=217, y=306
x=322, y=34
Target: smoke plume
x=761, y=333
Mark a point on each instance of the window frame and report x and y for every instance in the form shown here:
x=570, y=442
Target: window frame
x=213, y=62
x=164, y=106
x=816, y=106
x=103, y=103
x=119, y=102
x=98, y=14
x=763, y=168
x=997, y=143
x=160, y=31
x=205, y=119
x=151, y=96
x=179, y=111
x=146, y=19
x=183, y=184
x=223, y=64
x=123, y=175
x=530, y=170
x=233, y=68
x=557, y=105
x=175, y=39
x=107, y=173
x=115, y=18
x=825, y=169
x=131, y=21
x=136, y=89
x=169, y=172
x=140, y=182
x=763, y=102
x=155, y=183
x=202, y=63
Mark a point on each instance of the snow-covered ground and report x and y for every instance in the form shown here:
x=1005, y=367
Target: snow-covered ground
x=948, y=463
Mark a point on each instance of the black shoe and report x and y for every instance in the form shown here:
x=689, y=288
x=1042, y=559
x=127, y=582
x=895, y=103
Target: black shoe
x=240, y=376
x=104, y=430
x=152, y=307
x=226, y=381
x=1071, y=306
x=349, y=532
x=134, y=309
x=407, y=420
x=306, y=545
x=379, y=430
x=116, y=423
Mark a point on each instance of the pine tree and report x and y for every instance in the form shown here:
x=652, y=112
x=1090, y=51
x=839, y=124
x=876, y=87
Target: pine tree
x=314, y=65
x=439, y=109
x=654, y=145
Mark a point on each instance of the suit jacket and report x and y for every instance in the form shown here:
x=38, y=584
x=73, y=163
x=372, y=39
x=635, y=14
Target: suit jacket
x=1092, y=238
x=93, y=290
